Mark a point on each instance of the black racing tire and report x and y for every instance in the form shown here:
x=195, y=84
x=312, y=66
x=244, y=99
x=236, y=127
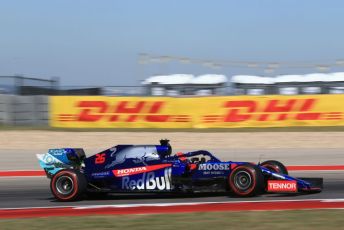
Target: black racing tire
x=275, y=166
x=68, y=185
x=246, y=180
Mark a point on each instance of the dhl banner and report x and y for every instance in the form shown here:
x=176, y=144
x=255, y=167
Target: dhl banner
x=200, y=112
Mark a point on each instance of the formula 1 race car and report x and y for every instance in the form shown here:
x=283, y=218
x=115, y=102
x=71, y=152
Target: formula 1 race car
x=153, y=168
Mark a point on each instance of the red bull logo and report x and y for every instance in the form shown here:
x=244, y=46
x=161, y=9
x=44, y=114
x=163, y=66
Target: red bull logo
x=148, y=181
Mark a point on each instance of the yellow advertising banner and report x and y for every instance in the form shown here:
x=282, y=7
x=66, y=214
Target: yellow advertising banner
x=198, y=112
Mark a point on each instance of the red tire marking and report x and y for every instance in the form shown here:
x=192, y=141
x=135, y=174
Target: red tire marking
x=180, y=208
x=235, y=189
x=315, y=167
x=75, y=182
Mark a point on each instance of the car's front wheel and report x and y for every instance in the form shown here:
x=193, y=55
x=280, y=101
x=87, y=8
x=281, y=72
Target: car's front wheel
x=246, y=180
x=275, y=166
x=68, y=185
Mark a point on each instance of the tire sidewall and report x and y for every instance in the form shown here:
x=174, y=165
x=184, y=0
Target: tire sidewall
x=256, y=179
x=77, y=189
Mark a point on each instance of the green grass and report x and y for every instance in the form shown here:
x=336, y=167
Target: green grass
x=290, y=220
x=206, y=130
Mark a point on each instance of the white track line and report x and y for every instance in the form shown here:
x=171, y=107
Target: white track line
x=170, y=204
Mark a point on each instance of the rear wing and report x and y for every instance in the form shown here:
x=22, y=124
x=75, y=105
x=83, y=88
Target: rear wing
x=57, y=159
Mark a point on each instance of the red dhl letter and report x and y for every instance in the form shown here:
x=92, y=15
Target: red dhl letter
x=234, y=110
x=123, y=108
x=155, y=108
x=88, y=107
x=307, y=106
x=273, y=107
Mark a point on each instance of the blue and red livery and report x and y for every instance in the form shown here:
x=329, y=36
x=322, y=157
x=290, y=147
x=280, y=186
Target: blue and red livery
x=153, y=168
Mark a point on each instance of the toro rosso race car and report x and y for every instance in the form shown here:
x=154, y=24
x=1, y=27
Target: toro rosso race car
x=153, y=168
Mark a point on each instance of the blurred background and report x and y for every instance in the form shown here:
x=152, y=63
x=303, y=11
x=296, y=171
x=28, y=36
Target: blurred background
x=175, y=49
x=116, y=47
x=188, y=71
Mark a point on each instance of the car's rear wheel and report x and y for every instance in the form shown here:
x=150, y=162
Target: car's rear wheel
x=246, y=180
x=275, y=166
x=68, y=185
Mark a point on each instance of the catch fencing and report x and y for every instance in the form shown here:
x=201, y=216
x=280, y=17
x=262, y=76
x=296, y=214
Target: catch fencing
x=24, y=110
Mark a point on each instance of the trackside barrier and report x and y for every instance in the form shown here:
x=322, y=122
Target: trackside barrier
x=23, y=110
x=201, y=112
